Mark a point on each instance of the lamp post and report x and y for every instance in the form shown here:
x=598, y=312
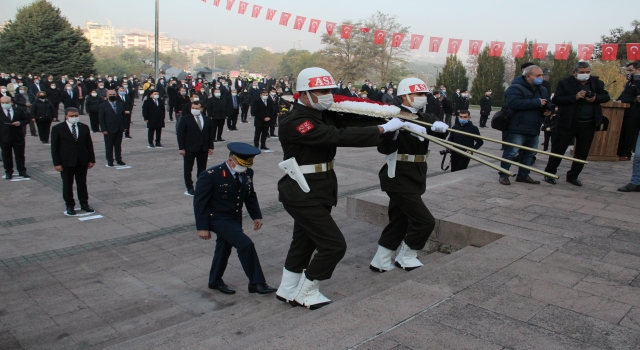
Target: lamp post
x=156, y=39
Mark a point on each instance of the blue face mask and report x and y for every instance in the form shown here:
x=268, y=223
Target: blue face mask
x=538, y=81
x=463, y=121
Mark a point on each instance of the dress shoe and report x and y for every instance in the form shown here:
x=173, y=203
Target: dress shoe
x=128, y=137
x=159, y=145
x=191, y=192
x=151, y=146
x=629, y=188
x=505, y=181
x=550, y=180
x=71, y=211
x=8, y=176
x=87, y=208
x=223, y=288
x=25, y=175
x=624, y=158
x=261, y=288
x=528, y=180
x=121, y=162
x=264, y=148
x=574, y=182
x=220, y=140
x=110, y=164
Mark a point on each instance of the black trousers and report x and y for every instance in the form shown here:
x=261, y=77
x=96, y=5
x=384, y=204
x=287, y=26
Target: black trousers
x=113, y=142
x=409, y=220
x=561, y=139
x=44, y=130
x=232, y=121
x=230, y=235
x=127, y=125
x=628, y=134
x=81, y=106
x=272, y=128
x=32, y=127
x=245, y=109
x=56, y=107
x=157, y=132
x=547, y=138
x=483, y=119
x=447, y=119
x=459, y=162
x=9, y=150
x=314, y=229
x=200, y=158
x=172, y=108
x=94, y=121
x=260, y=135
x=68, y=174
x=218, y=128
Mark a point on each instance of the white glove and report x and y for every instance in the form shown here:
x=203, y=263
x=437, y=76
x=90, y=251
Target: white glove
x=440, y=127
x=416, y=128
x=392, y=125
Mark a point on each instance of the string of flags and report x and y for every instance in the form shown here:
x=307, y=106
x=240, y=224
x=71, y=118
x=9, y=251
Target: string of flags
x=518, y=49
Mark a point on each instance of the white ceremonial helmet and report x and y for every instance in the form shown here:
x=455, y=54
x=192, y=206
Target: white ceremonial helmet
x=314, y=79
x=410, y=86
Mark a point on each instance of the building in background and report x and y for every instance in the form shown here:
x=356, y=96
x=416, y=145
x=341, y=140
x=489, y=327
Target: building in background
x=147, y=41
x=99, y=34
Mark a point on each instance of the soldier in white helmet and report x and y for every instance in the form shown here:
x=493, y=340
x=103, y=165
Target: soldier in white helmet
x=310, y=136
x=404, y=179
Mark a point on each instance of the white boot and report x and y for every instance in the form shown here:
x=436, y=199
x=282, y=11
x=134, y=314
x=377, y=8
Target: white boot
x=308, y=294
x=382, y=260
x=407, y=258
x=288, y=285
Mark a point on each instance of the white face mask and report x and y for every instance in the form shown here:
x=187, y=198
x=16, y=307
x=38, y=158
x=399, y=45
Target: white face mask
x=195, y=112
x=324, y=101
x=69, y=88
x=94, y=94
x=233, y=94
x=239, y=168
x=196, y=99
x=6, y=105
x=418, y=102
x=264, y=98
x=4, y=91
x=74, y=120
x=217, y=94
x=583, y=77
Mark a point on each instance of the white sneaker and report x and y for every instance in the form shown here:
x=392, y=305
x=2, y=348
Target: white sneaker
x=288, y=285
x=308, y=294
x=407, y=258
x=382, y=261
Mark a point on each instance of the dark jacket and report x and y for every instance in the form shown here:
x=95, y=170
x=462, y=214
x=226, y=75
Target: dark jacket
x=465, y=140
x=110, y=121
x=11, y=133
x=180, y=101
x=217, y=107
x=21, y=100
x=245, y=98
x=261, y=111
x=69, y=101
x=54, y=95
x=43, y=111
x=68, y=152
x=630, y=95
x=191, y=138
x=231, y=111
x=569, y=108
x=152, y=114
x=92, y=104
x=523, y=101
x=447, y=106
x=128, y=103
x=485, y=105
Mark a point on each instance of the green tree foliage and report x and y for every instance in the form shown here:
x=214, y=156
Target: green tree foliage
x=453, y=75
x=40, y=39
x=117, y=60
x=489, y=75
x=296, y=60
x=256, y=60
x=621, y=37
x=562, y=69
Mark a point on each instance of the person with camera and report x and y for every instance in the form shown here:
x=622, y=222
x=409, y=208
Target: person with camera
x=579, y=115
x=629, y=130
x=459, y=162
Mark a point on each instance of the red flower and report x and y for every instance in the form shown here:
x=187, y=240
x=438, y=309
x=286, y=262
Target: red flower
x=296, y=96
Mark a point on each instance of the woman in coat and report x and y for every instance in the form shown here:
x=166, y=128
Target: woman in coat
x=153, y=112
x=245, y=102
x=42, y=109
x=92, y=106
x=54, y=95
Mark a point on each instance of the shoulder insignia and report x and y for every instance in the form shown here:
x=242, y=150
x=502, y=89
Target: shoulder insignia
x=305, y=127
x=210, y=171
x=224, y=173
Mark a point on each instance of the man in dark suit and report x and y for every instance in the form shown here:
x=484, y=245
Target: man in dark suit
x=485, y=108
x=153, y=112
x=274, y=99
x=36, y=87
x=232, y=111
x=80, y=90
x=217, y=111
x=263, y=112
x=11, y=137
x=72, y=154
x=128, y=107
x=195, y=142
x=69, y=98
x=111, y=117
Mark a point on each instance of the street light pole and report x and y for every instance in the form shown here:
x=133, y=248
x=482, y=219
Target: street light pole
x=156, y=41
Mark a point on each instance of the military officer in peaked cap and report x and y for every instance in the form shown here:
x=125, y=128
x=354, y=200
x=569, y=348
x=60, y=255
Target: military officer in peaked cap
x=219, y=196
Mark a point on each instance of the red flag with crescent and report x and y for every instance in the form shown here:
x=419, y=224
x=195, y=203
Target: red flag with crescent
x=243, y=7
x=270, y=14
x=396, y=39
x=230, y=4
x=365, y=30
x=539, y=51
x=284, y=18
x=313, y=25
x=416, y=41
x=345, y=32
x=585, y=52
x=216, y=3
x=633, y=52
x=474, y=47
x=434, y=44
x=378, y=37
x=299, y=22
x=330, y=27
x=562, y=51
x=518, y=49
x=454, y=46
x=256, y=11
x=609, y=52
x=496, y=48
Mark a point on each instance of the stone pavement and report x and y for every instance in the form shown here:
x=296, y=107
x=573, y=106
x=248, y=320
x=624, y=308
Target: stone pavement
x=540, y=267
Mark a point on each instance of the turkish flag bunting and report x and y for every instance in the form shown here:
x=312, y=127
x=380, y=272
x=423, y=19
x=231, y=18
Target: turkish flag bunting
x=539, y=51
x=205, y=1
x=633, y=52
x=474, y=47
x=378, y=37
x=330, y=27
x=313, y=25
x=284, y=18
x=365, y=30
x=609, y=52
x=216, y=3
x=562, y=51
x=434, y=44
x=299, y=22
x=496, y=48
x=270, y=14
x=416, y=41
x=230, y=4
x=256, y=11
x=518, y=49
x=243, y=7
x=345, y=32
x=585, y=51
x=454, y=45
x=396, y=39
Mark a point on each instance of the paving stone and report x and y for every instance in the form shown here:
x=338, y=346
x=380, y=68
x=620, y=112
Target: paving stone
x=591, y=267
x=611, y=290
x=632, y=319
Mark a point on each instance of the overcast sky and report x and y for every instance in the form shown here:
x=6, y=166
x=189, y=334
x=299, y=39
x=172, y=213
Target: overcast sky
x=547, y=21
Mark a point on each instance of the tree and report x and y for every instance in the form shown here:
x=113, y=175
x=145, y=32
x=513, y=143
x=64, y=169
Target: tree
x=528, y=57
x=562, y=69
x=610, y=73
x=296, y=60
x=118, y=60
x=621, y=37
x=42, y=40
x=490, y=75
x=453, y=75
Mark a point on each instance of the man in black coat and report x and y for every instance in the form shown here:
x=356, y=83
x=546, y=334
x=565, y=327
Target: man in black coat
x=275, y=110
x=72, y=154
x=69, y=97
x=255, y=93
x=111, y=117
x=631, y=119
x=263, y=112
x=11, y=137
x=460, y=162
x=80, y=90
x=233, y=107
x=195, y=142
x=172, y=93
x=153, y=112
x=447, y=108
x=128, y=108
x=217, y=111
x=485, y=108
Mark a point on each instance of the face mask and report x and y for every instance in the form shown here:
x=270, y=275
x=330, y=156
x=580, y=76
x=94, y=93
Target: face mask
x=13, y=81
x=6, y=105
x=538, y=81
x=583, y=77
x=264, y=98
x=183, y=93
x=4, y=91
x=272, y=93
x=74, y=120
x=196, y=99
x=239, y=168
x=383, y=90
x=233, y=94
x=53, y=86
x=444, y=90
x=122, y=93
x=155, y=97
x=37, y=81
x=195, y=112
x=218, y=86
x=390, y=92
x=91, y=78
x=324, y=101
x=463, y=121
x=101, y=87
x=488, y=94
x=112, y=98
x=94, y=94
x=69, y=88
x=109, y=79
x=202, y=90
x=20, y=84
x=125, y=86
x=419, y=102
x=217, y=94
